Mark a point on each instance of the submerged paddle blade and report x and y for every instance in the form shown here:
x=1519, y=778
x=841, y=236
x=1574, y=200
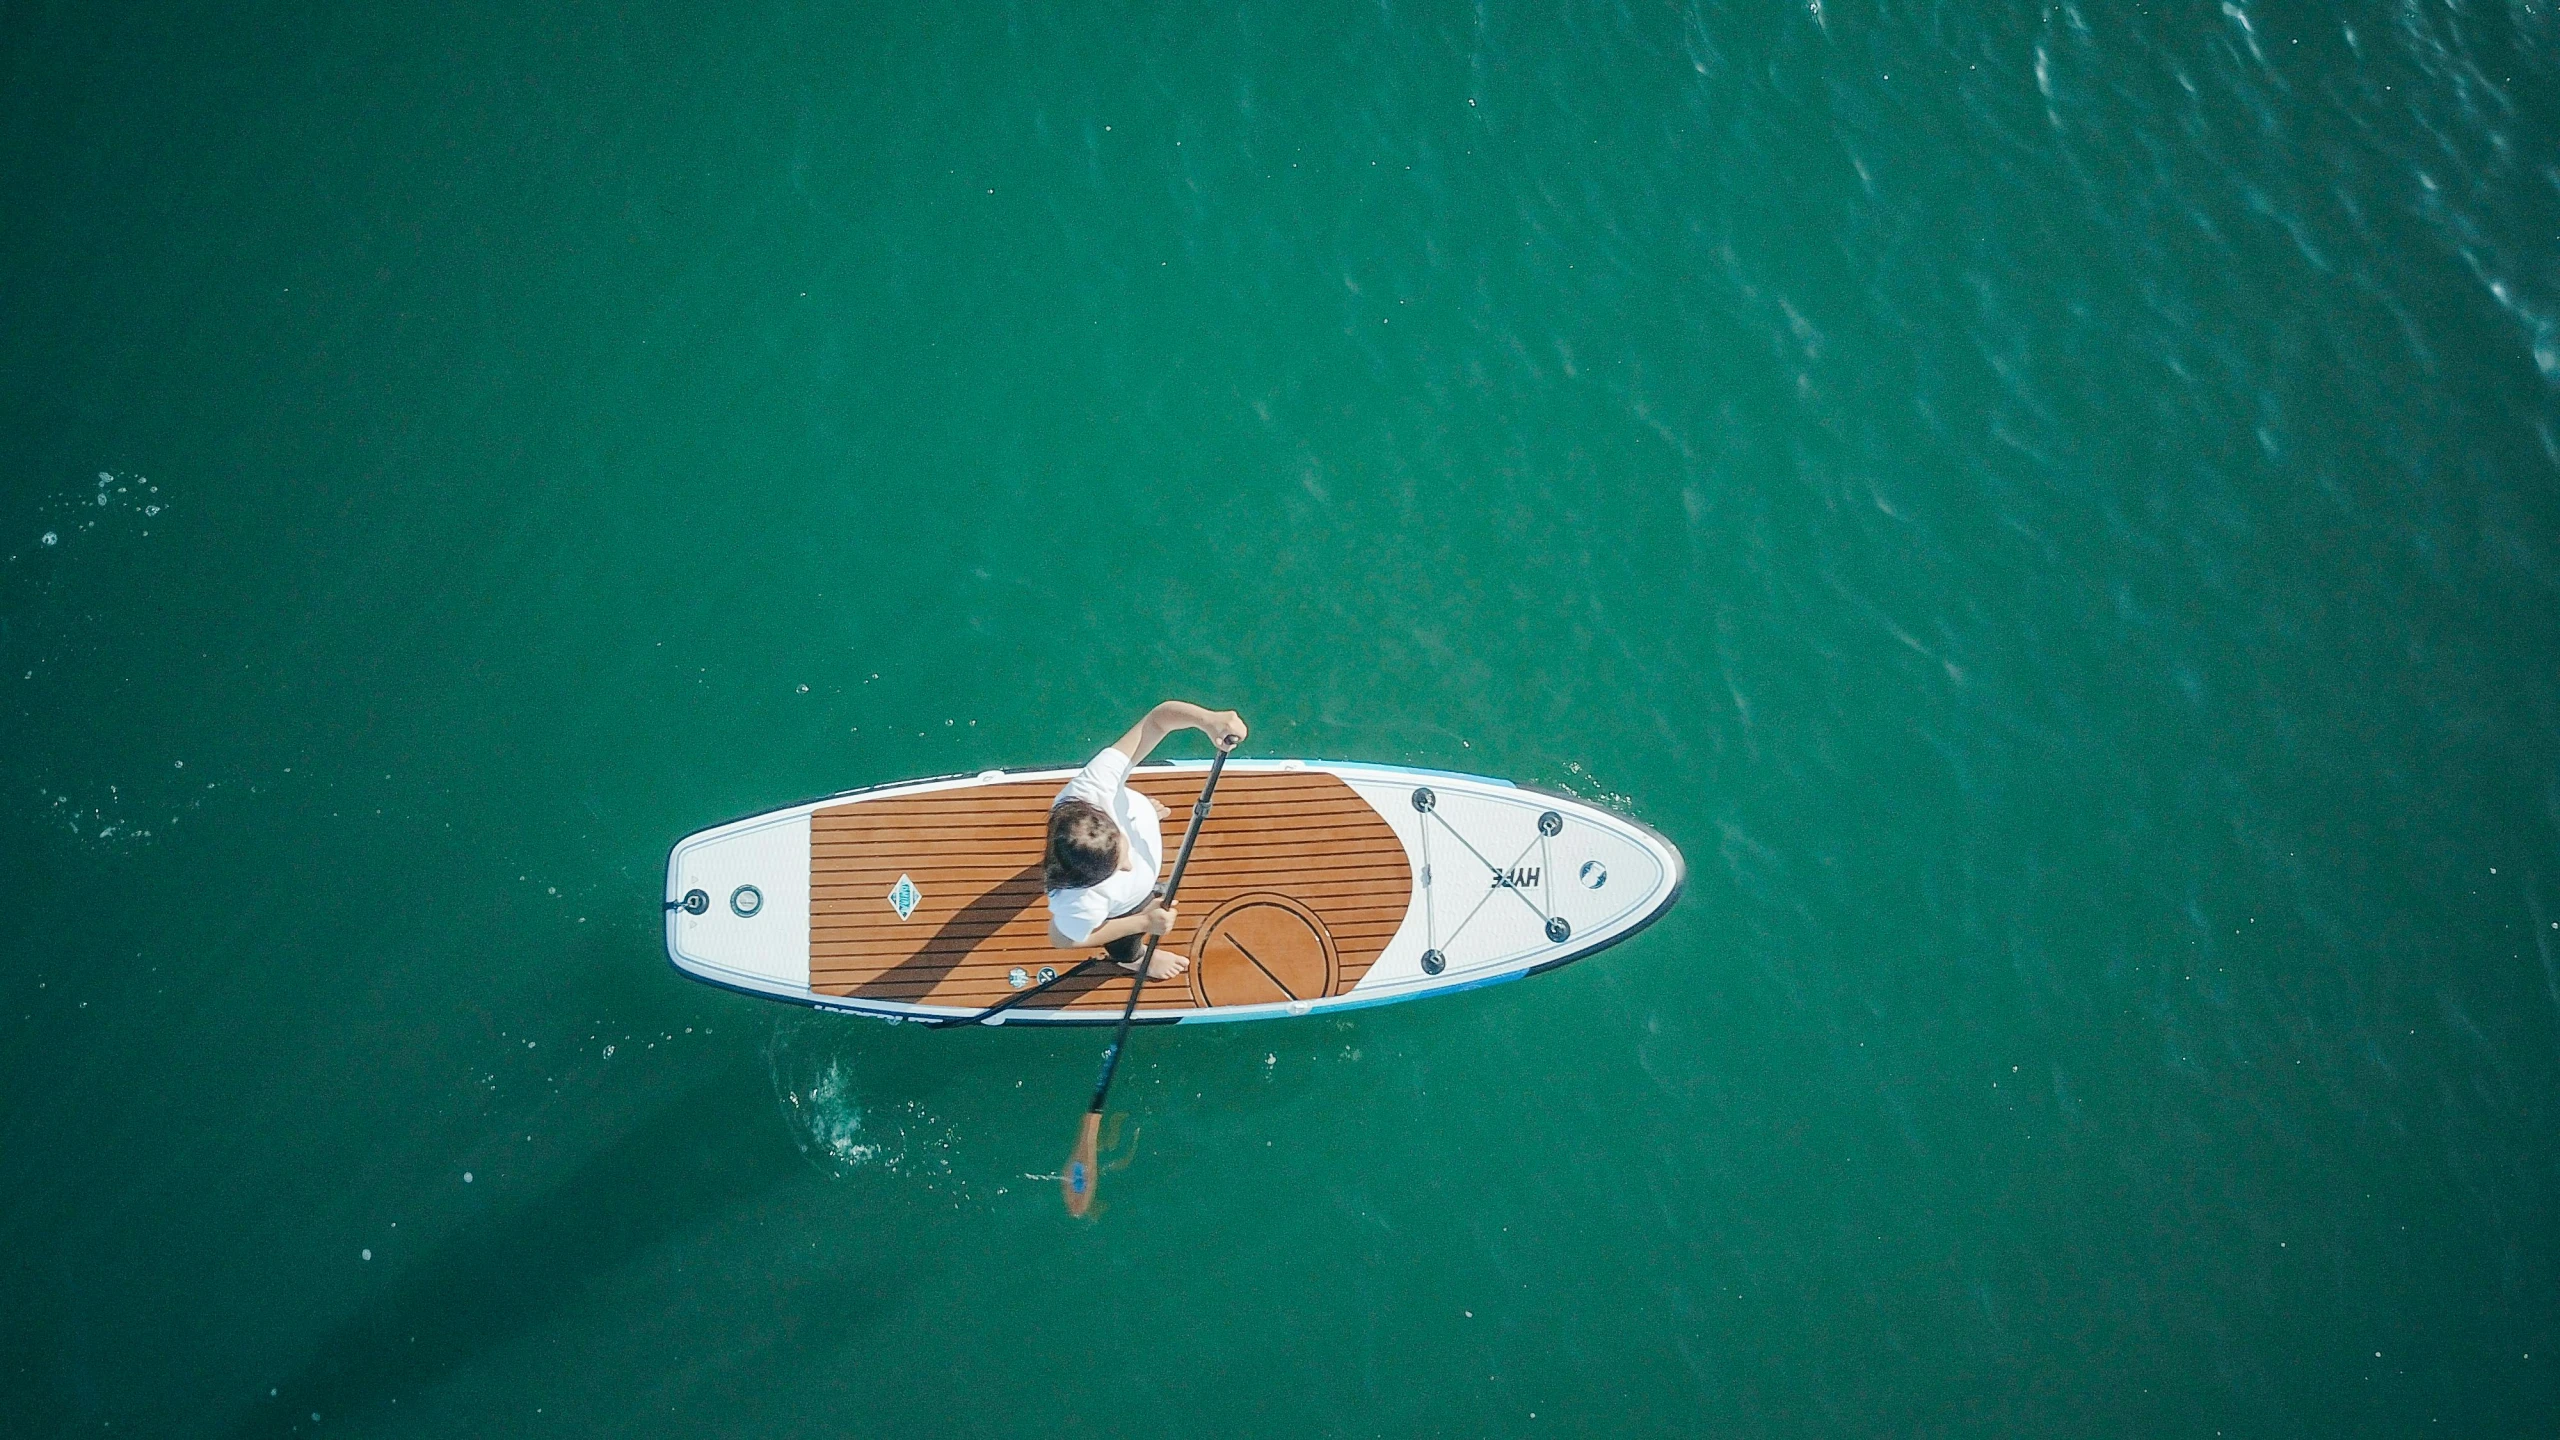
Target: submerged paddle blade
x=1076, y=1178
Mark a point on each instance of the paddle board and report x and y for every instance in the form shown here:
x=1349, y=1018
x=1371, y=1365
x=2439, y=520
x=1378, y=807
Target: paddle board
x=1315, y=887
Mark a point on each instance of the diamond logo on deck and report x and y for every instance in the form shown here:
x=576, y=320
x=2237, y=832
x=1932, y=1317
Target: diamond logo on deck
x=904, y=897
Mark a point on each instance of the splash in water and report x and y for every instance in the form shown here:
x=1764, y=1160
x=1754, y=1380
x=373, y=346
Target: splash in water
x=833, y=1129
x=818, y=1090
x=1587, y=786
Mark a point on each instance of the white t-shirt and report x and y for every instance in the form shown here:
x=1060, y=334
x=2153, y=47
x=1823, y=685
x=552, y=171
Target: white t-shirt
x=1103, y=783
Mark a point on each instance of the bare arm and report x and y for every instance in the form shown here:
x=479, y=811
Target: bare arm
x=1155, y=918
x=1225, y=727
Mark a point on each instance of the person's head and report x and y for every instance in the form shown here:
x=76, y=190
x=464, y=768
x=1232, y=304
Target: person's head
x=1084, y=846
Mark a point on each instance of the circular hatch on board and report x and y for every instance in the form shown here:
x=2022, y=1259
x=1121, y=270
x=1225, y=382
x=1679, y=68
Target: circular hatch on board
x=1261, y=949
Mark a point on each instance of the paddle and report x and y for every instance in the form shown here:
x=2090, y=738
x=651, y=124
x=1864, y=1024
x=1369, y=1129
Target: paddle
x=1076, y=1179
x=994, y=1014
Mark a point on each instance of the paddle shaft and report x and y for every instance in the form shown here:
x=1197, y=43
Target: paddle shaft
x=1007, y=1003
x=1172, y=885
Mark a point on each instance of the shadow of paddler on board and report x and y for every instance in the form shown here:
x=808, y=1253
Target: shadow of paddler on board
x=502, y=1278
x=957, y=938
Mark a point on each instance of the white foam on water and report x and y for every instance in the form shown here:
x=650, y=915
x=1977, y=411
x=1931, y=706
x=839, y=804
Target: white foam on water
x=96, y=819
x=818, y=1091
x=132, y=494
x=1587, y=786
x=833, y=1129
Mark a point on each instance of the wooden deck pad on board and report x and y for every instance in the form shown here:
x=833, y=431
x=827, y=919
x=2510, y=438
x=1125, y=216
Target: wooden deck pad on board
x=1300, y=836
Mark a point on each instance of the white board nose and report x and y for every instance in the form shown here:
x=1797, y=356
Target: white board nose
x=1511, y=879
x=754, y=928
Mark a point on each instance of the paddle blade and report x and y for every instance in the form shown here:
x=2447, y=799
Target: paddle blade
x=1076, y=1178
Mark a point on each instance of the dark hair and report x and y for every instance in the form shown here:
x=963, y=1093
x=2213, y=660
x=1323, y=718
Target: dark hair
x=1084, y=846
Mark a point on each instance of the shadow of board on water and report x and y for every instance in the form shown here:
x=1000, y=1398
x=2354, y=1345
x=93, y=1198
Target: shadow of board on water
x=501, y=1279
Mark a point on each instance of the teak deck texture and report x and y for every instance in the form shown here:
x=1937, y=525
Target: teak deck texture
x=1295, y=886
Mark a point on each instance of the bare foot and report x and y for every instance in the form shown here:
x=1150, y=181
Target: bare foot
x=1165, y=966
x=1163, y=811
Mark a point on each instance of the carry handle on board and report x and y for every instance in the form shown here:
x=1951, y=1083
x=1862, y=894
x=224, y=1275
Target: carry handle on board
x=1076, y=1179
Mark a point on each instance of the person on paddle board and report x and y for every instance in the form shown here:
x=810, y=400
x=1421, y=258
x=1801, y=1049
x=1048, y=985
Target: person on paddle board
x=1106, y=845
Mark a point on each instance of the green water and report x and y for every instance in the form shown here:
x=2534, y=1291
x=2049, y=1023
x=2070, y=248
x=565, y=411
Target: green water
x=2056, y=509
